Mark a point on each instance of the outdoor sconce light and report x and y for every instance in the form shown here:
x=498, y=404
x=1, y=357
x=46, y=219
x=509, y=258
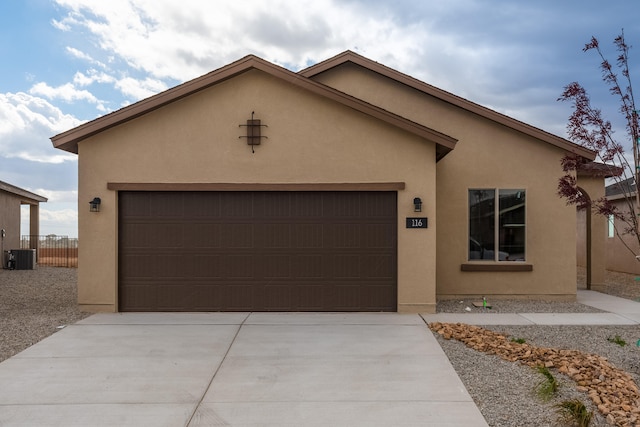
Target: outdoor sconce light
x=95, y=204
x=417, y=204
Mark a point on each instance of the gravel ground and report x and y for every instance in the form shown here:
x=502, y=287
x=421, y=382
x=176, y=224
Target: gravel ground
x=35, y=303
x=505, y=391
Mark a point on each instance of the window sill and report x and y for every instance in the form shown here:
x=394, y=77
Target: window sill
x=502, y=266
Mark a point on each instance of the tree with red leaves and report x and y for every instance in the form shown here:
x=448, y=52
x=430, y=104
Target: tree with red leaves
x=588, y=128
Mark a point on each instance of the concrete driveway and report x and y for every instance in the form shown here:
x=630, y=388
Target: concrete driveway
x=226, y=369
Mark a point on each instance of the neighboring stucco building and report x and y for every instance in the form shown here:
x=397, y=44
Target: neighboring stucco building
x=618, y=242
x=11, y=200
x=347, y=186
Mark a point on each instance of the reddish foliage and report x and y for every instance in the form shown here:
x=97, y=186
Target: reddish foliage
x=588, y=128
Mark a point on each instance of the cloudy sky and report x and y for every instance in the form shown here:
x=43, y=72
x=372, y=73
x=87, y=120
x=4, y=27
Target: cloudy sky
x=68, y=61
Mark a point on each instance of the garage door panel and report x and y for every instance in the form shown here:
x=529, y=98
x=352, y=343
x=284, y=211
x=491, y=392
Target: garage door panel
x=308, y=236
x=257, y=251
x=378, y=236
x=277, y=298
x=344, y=205
x=167, y=205
x=207, y=297
x=201, y=205
x=171, y=296
x=275, y=236
x=139, y=297
x=311, y=297
x=236, y=205
x=345, y=235
x=347, y=295
x=137, y=266
x=239, y=266
x=378, y=267
x=238, y=235
x=346, y=266
x=277, y=267
x=307, y=267
x=203, y=235
x=240, y=297
x=204, y=266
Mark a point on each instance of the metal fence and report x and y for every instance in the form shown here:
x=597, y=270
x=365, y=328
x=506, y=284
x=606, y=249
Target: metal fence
x=52, y=250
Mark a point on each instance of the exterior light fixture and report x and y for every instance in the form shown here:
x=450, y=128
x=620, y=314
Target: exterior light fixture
x=417, y=204
x=95, y=204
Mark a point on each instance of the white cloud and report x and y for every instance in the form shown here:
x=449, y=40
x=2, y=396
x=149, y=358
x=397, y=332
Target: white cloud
x=182, y=40
x=58, y=216
x=140, y=89
x=66, y=92
x=58, y=220
x=92, y=76
x=81, y=55
x=57, y=196
x=26, y=124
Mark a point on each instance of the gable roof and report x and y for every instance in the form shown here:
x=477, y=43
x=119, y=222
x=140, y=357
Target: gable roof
x=352, y=57
x=24, y=195
x=68, y=140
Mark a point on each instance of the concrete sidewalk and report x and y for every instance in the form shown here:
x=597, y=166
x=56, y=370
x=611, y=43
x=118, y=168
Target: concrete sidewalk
x=225, y=369
x=618, y=311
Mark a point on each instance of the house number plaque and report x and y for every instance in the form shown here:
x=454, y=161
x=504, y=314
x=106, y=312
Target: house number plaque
x=417, y=222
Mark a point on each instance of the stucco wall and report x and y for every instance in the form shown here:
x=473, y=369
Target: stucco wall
x=310, y=140
x=618, y=257
x=495, y=157
x=487, y=155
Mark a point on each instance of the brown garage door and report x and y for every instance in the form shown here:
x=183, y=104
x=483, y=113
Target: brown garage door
x=257, y=251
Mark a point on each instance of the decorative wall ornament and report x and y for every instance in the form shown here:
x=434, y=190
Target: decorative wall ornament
x=254, y=131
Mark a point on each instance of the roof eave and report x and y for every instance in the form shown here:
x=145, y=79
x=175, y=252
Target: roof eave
x=25, y=196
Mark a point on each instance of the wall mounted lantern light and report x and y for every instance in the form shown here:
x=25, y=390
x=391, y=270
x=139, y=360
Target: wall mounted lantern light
x=417, y=204
x=254, y=135
x=95, y=204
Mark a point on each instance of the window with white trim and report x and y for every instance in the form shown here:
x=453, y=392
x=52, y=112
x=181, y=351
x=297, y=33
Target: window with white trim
x=497, y=227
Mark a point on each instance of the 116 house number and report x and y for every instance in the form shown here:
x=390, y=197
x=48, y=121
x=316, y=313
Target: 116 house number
x=416, y=222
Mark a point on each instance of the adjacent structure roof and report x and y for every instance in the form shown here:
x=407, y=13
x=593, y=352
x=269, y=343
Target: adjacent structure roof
x=352, y=57
x=621, y=189
x=26, y=197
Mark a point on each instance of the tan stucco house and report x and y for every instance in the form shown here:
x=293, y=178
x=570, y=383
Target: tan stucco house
x=619, y=247
x=11, y=200
x=347, y=186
